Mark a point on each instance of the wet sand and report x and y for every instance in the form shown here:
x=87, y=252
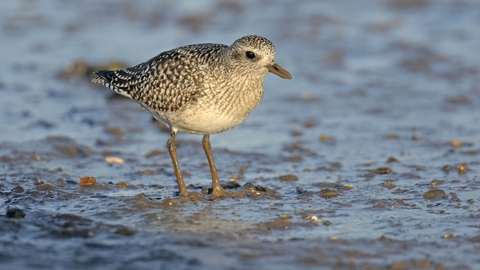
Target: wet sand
x=367, y=159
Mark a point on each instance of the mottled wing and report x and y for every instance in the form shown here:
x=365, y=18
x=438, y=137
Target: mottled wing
x=166, y=82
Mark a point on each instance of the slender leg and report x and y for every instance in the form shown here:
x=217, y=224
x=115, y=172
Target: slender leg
x=216, y=187
x=172, y=149
x=217, y=190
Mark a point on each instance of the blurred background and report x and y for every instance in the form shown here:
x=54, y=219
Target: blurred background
x=382, y=109
x=397, y=51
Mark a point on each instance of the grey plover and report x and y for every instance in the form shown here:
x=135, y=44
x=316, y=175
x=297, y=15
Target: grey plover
x=200, y=89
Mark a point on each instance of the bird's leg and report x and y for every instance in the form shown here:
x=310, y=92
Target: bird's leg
x=216, y=187
x=217, y=190
x=172, y=149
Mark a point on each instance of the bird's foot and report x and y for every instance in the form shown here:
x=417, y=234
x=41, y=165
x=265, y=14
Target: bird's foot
x=192, y=196
x=220, y=193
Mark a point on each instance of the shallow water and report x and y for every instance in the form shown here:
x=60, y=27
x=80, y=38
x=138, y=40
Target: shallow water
x=382, y=108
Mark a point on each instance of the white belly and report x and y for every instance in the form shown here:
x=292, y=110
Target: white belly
x=205, y=121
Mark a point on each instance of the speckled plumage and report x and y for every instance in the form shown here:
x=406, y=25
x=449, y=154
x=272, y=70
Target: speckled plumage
x=211, y=83
x=199, y=89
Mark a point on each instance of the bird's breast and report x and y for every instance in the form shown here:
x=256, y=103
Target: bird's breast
x=219, y=108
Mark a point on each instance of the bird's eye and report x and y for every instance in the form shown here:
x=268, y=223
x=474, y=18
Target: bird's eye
x=250, y=55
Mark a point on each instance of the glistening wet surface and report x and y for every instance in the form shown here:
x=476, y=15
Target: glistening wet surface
x=367, y=159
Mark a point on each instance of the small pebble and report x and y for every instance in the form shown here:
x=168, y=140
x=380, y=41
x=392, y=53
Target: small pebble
x=288, y=177
x=145, y=172
x=435, y=194
x=456, y=143
x=114, y=131
x=154, y=152
x=18, y=189
x=325, y=138
x=446, y=168
x=393, y=137
x=122, y=184
x=15, y=213
x=328, y=193
x=448, y=235
x=389, y=184
x=381, y=170
x=124, y=231
x=391, y=159
x=309, y=124
x=115, y=160
x=38, y=182
x=296, y=133
x=462, y=168
x=415, y=138
x=87, y=181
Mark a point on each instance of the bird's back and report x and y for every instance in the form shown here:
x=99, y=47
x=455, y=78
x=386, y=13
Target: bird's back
x=167, y=81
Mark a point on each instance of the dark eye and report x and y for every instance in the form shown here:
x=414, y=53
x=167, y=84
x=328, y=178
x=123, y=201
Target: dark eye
x=250, y=55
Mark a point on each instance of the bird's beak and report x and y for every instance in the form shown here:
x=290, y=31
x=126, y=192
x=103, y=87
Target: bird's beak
x=278, y=70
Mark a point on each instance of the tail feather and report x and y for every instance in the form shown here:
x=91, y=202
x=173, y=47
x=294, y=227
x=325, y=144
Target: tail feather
x=104, y=77
x=110, y=79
